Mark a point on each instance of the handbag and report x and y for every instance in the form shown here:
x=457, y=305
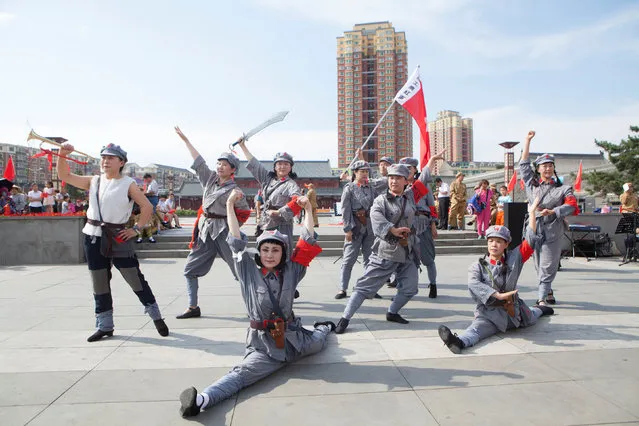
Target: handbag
x=110, y=244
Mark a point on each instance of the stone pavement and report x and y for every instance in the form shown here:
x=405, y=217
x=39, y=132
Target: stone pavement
x=579, y=367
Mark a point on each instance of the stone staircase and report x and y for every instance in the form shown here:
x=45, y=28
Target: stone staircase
x=175, y=243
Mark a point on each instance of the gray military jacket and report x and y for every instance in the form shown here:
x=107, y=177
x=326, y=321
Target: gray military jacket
x=255, y=286
x=422, y=224
x=276, y=194
x=484, y=279
x=214, y=199
x=354, y=198
x=560, y=199
x=385, y=214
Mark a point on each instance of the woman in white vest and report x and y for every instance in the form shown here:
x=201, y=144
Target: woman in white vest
x=106, y=241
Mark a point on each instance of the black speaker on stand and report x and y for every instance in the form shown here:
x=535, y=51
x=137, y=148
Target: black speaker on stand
x=514, y=218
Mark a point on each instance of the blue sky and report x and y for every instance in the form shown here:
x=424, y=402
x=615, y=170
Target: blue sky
x=127, y=71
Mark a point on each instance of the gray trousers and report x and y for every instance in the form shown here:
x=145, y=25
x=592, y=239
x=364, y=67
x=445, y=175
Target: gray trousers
x=482, y=328
x=257, y=365
x=427, y=254
x=364, y=243
x=546, y=257
x=375, y=275
x=200, y=260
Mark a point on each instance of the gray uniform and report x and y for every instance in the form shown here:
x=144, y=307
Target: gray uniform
x=212, y=232
x=490, y=316
x=548, y=254
x=276, y=193
x=388, y=255
x=262, y=357
x=425, y=235
x=354, y=199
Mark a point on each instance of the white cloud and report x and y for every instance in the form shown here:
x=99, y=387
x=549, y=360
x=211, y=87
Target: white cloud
x=460, y=27
x=554, y=133
x=6, y=17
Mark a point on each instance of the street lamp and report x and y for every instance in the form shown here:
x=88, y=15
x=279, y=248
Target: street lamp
x=509, y=161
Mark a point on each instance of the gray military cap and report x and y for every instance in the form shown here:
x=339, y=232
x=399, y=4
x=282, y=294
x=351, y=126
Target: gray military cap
x=389, y=160
x=498, y=231
x=115, y=150
x=361, y=165
x=231, y=158
x=398, y=170
x=283, y=156
x=409, y=161
x=545, y=158
x=273, y=235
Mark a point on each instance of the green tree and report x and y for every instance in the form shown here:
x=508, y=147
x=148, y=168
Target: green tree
x=625, y=157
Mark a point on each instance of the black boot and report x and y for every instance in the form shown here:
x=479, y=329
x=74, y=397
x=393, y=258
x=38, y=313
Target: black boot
x=551, y=298
x=330, y=324
x=297, y=294
x=546, y=310
x=161, y=327
x=392, y=284
x=433, y=291
x=395, y=318
x=190, y=313
x=99, y=334
x=340, y=295
x=188, y=402
x=451, y=340
x=377, y=296
x=342, y=324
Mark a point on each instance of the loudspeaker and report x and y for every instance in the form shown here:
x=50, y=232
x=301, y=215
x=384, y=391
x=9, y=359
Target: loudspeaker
x=514, y=218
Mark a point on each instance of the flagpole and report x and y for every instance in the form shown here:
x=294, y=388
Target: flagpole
x=373, y=132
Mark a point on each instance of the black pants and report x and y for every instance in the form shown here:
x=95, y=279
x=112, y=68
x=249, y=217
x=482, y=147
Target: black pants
x=444, y=206
x=100, y=268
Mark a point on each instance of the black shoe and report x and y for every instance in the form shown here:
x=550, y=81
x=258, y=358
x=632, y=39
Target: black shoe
x=297, y=294
x=99, y=334
x=330, y=324
x=340, y=295
x=395, y=318
x=161, y=327
x=190, y=313
x=546, y=310
x=188, y=402
x=392, y=284
x=377, y=296
x=432, y=294
x=342, y=324
x=451, y=340
x=551, y=298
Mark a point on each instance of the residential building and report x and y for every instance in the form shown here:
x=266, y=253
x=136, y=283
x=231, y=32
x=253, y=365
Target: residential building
x=371, y=68
x=452, y=134
x=167, y=177
x=36, y=170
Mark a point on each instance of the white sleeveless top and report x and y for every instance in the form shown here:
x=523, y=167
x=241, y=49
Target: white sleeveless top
x=115, y=205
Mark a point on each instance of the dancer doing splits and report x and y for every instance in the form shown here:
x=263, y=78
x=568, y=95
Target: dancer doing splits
x=493, y=286
x=268, y=279
x=106, y=240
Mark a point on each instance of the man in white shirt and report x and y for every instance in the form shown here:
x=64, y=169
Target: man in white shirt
x=443, y=197
x=35, y=199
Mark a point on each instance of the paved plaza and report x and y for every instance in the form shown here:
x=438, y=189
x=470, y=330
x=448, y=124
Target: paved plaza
x=578, y=367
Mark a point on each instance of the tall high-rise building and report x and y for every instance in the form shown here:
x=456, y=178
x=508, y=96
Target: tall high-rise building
x=371, y=68
x=452, y=134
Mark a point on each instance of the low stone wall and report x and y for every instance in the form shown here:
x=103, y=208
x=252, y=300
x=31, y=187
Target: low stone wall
x=32, y=240
x=607, y=222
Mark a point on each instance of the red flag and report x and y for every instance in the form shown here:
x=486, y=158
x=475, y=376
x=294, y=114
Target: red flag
x=513, y=181
x=577, y=184
x=10, y=171
x=411, y=97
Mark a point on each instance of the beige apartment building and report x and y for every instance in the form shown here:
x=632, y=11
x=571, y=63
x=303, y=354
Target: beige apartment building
x=371, y=68
x=453, y=134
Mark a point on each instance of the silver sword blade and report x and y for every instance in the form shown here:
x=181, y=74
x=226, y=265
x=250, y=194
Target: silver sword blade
x=275, y=119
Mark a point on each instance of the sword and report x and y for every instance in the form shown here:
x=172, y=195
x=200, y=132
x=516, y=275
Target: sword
x=275, y=119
